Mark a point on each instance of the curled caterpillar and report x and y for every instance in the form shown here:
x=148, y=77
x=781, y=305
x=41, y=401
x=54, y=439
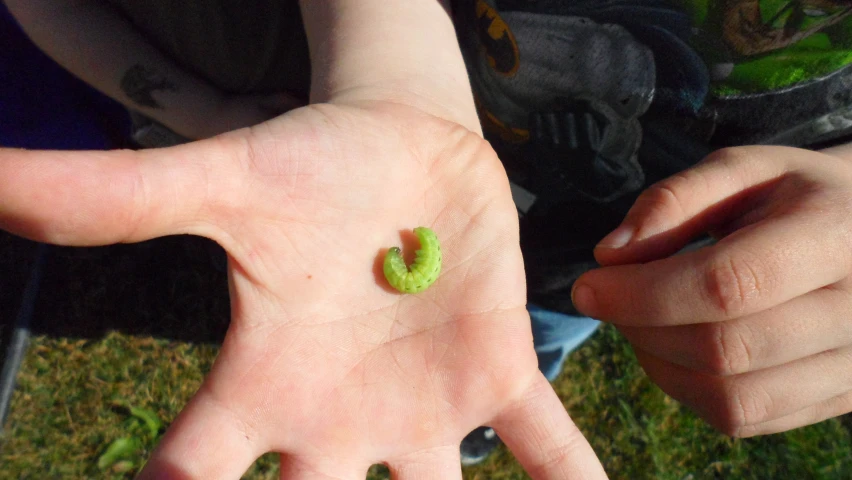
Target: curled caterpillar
x=425, y=268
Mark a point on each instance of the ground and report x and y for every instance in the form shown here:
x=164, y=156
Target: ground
x=140, y=324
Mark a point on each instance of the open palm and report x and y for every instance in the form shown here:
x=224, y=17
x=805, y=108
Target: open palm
x=323, y=361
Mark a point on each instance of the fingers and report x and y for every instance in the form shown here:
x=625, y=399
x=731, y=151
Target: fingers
x=443, y=463
x=807, y=325
x=96, y=198
x=538, y=430
x=328, y=468
x=433, y=464
x=751, y=332
x=206, y=441
x=735, y=402
x=670, y=213
x=759, y=267
x=831, y=408
x=772, y=255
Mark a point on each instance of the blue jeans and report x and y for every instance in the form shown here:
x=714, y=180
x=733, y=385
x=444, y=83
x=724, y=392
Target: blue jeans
x=555, y=335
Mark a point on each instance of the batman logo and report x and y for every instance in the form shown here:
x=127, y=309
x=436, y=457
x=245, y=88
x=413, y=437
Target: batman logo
x=496, y=39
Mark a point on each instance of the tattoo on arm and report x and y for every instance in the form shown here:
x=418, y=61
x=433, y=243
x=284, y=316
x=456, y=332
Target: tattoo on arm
x=140, y=82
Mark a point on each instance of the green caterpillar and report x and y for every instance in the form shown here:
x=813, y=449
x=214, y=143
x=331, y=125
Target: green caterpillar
x=425, y=268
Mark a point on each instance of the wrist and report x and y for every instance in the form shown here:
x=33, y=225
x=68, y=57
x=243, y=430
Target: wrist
x=404, y=52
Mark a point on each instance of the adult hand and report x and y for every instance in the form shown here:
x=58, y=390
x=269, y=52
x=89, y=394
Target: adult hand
x=754, y=331
x=323, y=362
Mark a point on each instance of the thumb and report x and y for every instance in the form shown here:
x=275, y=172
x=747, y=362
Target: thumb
x=97, y=198
x=674, y=211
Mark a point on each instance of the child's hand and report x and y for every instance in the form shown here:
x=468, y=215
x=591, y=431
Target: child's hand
x=755, y=331
x=324, y=361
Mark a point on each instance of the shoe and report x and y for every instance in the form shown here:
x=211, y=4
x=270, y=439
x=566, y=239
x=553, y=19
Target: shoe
x=478, y=445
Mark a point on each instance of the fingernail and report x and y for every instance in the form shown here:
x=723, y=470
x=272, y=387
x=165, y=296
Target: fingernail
x=584, y=298
x=618, y=238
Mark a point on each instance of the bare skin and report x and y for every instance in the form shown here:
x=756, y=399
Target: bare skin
x=752, y=332
x=132, y=71
x=322, y=363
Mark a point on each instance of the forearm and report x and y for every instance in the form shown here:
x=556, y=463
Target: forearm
x=399, y=50
x=98, y=45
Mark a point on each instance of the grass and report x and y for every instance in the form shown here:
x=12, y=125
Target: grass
x=140, y=324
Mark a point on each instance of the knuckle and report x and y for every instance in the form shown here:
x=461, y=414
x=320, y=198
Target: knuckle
x=563, y=454
x=729, y=348
x=669, y=197
x=673, y=194
x=743, y=406
x=729, y=156
x=733, y=283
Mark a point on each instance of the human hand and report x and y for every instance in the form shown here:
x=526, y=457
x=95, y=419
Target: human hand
x=323, y=362
x=752, y=332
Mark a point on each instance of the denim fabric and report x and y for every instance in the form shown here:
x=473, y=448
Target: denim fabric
x=555, y=335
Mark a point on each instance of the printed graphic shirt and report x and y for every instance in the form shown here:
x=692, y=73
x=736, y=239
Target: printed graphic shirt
x=589, y=101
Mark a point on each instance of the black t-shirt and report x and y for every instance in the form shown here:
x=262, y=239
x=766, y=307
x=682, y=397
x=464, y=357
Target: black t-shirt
x=256, y=46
